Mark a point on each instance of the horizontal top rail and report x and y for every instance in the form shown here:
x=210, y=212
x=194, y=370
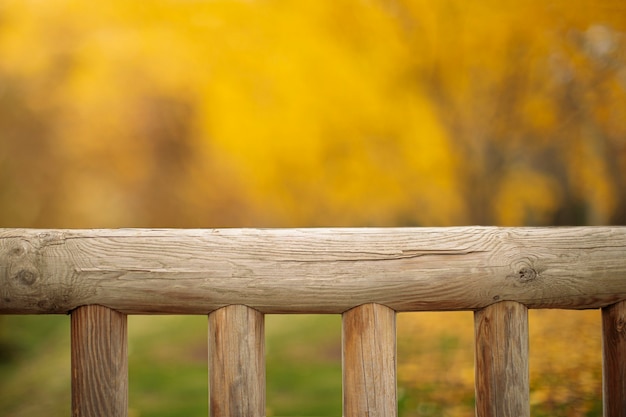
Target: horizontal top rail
x=196, y=271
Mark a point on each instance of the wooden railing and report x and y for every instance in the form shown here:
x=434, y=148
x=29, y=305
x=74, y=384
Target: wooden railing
x=236, y=276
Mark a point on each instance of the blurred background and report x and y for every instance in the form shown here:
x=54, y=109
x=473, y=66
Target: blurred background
x=304, y=113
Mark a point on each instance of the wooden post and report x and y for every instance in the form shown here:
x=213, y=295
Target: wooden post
x=236, y=362
x=99, y=362
x=502, y=383
x=369, y=361
x=614, y=360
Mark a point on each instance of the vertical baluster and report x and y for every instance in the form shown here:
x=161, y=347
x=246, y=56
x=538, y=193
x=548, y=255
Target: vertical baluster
x=369, y=361
x=99, y=362
x=236, y=362
x=502, y=384
x=614, y=360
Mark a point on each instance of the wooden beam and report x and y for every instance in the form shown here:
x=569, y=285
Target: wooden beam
x=236, y=362
x=614, y=360
x=369, y=362
x=99, y=362
x=502, y=382
x=138, y=271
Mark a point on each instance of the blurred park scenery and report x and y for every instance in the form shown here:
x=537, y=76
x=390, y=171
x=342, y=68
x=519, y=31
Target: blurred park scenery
x=310, y=113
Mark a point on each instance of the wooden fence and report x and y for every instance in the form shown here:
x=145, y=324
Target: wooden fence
x=236, y=276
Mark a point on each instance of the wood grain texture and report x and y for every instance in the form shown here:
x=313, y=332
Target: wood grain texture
x=614, y=360
x=236, y=362
x=369, y=362
x=99, y=362
x=502, y=381
x=139, y=271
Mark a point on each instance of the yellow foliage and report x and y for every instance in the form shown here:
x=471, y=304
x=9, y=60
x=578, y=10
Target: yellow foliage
x=526, y=197
x=590, y=177
x=366, y=112
x=436, y=363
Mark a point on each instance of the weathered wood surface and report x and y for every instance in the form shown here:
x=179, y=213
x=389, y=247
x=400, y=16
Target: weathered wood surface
x=369, y=361
x=139, y=271
x=502, y=381
x=614, y=360
x=236, y=362
x=99, y=362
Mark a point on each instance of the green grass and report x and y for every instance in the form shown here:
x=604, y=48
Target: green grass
x=34, y=366
x=168, y=373
x=167, y=366
x=303, y=365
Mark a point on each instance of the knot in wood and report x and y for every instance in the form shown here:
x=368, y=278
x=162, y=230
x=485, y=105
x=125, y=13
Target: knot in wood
x=17, y=252
x=18, y=249
x=26, y=277
x=527, y=274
